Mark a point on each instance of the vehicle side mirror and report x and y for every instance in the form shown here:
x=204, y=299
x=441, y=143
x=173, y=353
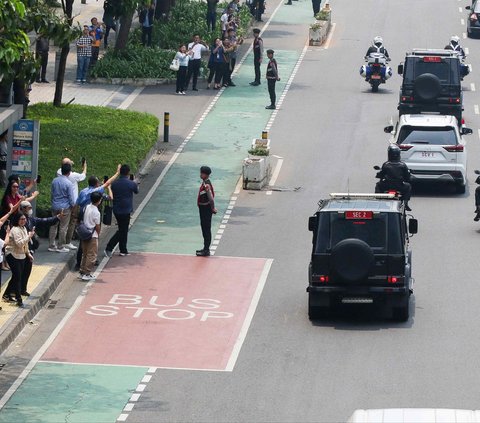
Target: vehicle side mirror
x=468, y=8
x=312, y=223
x=400, y=69
x=467, y=131
x=388, y=129
x=376, y=167
x=413, y=226
x=477, y=172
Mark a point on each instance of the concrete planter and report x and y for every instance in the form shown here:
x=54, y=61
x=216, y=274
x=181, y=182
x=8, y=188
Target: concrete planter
x=256, y=172
x=318, y=31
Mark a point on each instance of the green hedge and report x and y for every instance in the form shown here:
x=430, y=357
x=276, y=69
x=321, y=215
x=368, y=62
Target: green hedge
x=104, y=136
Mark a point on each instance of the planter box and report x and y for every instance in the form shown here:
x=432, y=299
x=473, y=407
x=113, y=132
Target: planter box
x=256, y=172
x=319, y=35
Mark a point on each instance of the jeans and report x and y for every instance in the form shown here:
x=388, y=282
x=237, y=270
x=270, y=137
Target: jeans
x=211, y=20
x=147, y=35
x=257, y=64
x=89, y=256
x=271, y=91
x=14, y=286
x=82, y=67
x=206, y=225
x=63, y=228
x=193, y=70
x=121, y=236
x=181, y=78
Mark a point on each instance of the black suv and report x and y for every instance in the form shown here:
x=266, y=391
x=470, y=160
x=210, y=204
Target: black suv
x=360, y=254
x=432, y=83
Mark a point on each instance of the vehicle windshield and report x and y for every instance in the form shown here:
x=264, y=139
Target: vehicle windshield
x=427, y=135
x=443, y=70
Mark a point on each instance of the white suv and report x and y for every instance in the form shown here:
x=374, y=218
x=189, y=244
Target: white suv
x=432, y=147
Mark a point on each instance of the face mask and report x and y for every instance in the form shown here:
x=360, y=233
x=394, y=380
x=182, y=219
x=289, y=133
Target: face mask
x=29, y=212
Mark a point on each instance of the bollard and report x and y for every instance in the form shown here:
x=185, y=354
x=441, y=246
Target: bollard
x=166, y=126
x=264, y=135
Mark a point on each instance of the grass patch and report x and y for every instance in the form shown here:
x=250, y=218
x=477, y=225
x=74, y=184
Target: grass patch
x=104, y=136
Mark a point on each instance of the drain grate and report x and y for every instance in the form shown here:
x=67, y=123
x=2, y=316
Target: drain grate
x=51, y=304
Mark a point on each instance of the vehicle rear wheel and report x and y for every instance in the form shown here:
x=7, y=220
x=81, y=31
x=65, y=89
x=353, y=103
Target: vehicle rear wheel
x=316, y=313
x=402, y=313
x=427, y=87
x=375, y=86
x=460, y=188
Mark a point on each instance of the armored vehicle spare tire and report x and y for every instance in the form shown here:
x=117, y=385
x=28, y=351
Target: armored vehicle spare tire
x=427, y=87
x=352, y=259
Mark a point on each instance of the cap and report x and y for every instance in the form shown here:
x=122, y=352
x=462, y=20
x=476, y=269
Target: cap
x=206, y=170
x=270, y=51
x=256, y=31
x=25, y=203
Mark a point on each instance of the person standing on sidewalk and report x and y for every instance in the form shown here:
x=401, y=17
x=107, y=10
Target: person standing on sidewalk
x=257, y=56
x=211, y=14
x=272, y=78
x=84, y=54
x=91, y=219
x=42, y=46
x=183, y=56
x=235, y=42
x=108, y=20
x=206, y=208
x=31, y=223
x=63, y=200
x=96, y=32
x=197, y=47
x=146, y=16
x=16, y=253
x=74, y=178
x=123, y=190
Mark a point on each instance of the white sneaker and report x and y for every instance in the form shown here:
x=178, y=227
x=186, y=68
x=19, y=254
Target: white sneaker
x=62, y=250
x=88, y=278
x=70, y=246
x=53, y=249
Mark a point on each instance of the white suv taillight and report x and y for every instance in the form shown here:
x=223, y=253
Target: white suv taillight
x=454, y=148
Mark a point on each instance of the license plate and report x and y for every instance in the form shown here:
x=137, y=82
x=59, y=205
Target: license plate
x=428, y=155
x=376, y=77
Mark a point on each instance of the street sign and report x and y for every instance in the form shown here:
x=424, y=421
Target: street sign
x=23, y=151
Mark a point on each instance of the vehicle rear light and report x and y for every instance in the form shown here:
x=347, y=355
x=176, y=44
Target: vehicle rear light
x=455, y=100
x=320, y=280
x=463, y=121
x=432, y=59
x=406, y=98
x=454, y=148
x=473, y=17
x=392, y=279
x=323, y=278
x=405, y=147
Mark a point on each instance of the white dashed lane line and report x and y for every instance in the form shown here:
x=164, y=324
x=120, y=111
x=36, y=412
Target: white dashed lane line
x=472, y=87
x=476, y=109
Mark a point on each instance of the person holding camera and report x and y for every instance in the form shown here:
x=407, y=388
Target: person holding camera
x=197, y=47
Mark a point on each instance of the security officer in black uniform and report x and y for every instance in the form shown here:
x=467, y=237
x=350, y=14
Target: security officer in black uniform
x=206, y=207
x=395, y=175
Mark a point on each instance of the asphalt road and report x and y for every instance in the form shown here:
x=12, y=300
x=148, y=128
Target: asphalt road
x=330, y=133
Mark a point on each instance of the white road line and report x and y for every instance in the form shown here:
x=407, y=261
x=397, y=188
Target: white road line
x=472, y=87
x=476, y=109
x=134, y=397
x=129, y=100
x=470, y=67
x=478, y=133
x=460, y=10
x=238, y=187
x=467, y=51
x=329, y=38
x=464, y=35
x=129, y=406
x=122, y=417
x=275, y=174
x=249, y=317
x=462, y=22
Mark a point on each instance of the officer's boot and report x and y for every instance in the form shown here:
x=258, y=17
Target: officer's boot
x=477, y=216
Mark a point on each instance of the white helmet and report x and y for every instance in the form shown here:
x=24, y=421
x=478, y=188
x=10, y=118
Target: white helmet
x=378, y=41
x=455, y=39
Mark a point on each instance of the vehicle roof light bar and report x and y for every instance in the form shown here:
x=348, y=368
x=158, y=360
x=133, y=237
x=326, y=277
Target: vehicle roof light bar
x=363, y=196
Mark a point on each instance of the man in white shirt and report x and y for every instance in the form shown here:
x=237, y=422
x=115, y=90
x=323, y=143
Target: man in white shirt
x=74, y=178
x=197, y=46
x=91, y=219
x=224, y=21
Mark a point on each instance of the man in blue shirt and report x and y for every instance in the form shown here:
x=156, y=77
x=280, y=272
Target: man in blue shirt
x=63, y=199
x=123, y=189
x=146, y=16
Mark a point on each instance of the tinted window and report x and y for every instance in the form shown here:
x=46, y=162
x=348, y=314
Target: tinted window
x=446, y=71
x=395, y=234
x=427, y=135
x=373, y=232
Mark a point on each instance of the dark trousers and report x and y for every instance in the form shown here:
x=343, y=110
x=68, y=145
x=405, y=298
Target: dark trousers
x=43, y=57
x=27, y=271
x=193, y=70
x=181, y=78
x=107, y=33
x=404, y=188
x=15, y=285
x=79, y=255
x=121, y=236
x=477, y=196
x=211, y=74
x=206, y=224
x=220, y=71
x=211, y=20
x=256, y=64
x=271, y=91
x=316, y=6
x=230, y=69
x=260, y=10
x=147, y=36
x=94, y=58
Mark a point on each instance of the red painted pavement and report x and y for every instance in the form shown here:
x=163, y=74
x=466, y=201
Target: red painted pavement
x=161, y=311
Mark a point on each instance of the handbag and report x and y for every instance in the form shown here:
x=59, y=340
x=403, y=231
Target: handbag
x=107, y=213
x=175, y=65
x=84, y=233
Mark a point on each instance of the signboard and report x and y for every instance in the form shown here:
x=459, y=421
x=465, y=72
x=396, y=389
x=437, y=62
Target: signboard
x=23, y=151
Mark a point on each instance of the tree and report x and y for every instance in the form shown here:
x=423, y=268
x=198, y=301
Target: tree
x=124, y=9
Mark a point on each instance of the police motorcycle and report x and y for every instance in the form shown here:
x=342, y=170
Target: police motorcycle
x=394, y=177
x=376, y=71
x=455, y=46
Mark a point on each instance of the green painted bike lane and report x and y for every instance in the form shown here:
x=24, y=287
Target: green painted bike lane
x=66, y=392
